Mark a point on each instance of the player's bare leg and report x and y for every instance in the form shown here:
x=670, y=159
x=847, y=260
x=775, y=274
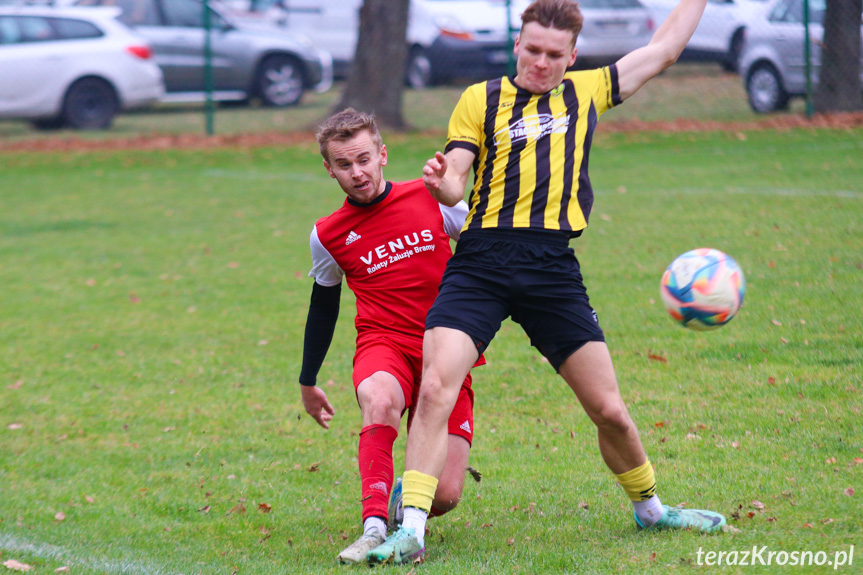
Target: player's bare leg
x=448, y=355
x=590, y=374
x=381, y=401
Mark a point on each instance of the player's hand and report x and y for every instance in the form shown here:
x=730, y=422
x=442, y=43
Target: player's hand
x=433, y=172
x=316, y=404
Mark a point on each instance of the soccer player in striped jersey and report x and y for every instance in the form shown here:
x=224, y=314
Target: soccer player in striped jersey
x=527, y=139
x=391, y=241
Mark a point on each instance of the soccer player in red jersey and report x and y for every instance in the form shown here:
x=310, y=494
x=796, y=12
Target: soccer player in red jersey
x=391, y=241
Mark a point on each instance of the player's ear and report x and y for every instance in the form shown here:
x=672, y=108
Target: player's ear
x=572, y=56
x=329, y=169
x=383, y=155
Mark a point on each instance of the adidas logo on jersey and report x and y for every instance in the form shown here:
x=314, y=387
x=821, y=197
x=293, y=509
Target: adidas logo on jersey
x=352, y=237
x=465, y=426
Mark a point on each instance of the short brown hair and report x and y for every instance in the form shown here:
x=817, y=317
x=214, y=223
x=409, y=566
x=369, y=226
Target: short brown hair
x=345, y=125
x=559, y=14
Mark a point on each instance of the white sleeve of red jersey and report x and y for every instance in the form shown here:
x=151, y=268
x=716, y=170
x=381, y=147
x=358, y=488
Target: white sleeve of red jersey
x=453, y=218
x=325, y=270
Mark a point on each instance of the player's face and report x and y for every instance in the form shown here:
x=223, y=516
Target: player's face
x=357, y=164
x=543, y=55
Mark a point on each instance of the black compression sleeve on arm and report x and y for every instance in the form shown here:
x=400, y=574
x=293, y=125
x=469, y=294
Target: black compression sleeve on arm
x=320, y=326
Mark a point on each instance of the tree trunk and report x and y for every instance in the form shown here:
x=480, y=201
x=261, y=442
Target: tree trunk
x=839, y=87
x=377, y=74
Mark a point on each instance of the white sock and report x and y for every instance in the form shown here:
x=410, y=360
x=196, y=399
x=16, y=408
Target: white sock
x=416, y=519
x=375, y=524
x=649, y=511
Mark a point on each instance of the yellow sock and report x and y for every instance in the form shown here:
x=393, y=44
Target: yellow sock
x=639, y=483
x=418, y=490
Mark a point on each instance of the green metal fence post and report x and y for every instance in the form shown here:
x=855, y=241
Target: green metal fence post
x=510, y=45
x=208, y=68
x=807, y=55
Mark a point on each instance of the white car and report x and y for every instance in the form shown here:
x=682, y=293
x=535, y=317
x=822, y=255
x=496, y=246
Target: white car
x=72, y=67
x=456, y=39
x=722, y=31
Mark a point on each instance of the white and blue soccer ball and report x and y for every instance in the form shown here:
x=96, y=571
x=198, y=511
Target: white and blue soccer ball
x=703, y=289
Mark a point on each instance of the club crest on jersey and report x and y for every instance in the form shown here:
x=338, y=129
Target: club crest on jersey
x=533, y=128
x=352, y=237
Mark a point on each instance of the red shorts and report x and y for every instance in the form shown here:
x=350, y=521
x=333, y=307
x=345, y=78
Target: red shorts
x=404, y=361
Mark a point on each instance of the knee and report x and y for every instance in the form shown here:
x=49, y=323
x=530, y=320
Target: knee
x=380, y=410
x=613, y=417
x=435, y=394
x=446, y=497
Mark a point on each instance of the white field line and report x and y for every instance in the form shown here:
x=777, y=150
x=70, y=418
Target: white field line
x=789, y=192
x=11, y=545
x=256, y=175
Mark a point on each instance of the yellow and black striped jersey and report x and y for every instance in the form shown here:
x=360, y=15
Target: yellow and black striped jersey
x=532, y=150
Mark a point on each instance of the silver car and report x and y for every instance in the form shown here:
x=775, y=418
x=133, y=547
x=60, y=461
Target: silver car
x=248, y=61
x=773, y=61
x=72, y=67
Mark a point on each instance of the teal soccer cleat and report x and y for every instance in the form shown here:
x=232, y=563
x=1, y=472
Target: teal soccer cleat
x=400, y=547
x=395, y=512
x=676, y=518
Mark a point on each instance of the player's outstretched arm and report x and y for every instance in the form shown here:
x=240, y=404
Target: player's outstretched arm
x=317, y=405
x=445, y=176
x=639, y=66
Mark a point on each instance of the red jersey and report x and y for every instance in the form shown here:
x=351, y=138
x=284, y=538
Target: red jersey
x=392, y=251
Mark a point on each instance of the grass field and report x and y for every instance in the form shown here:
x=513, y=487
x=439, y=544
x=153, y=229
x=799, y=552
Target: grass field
x=151, y=330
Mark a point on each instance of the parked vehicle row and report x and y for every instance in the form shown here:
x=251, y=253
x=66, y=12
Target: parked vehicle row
x=455, y=39
x=248, y=61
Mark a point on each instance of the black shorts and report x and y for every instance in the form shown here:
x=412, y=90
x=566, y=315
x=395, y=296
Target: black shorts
x=532, y=276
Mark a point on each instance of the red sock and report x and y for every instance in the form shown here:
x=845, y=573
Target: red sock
x=375, y=458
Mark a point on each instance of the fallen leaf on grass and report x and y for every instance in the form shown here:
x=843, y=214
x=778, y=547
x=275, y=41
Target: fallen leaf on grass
x=477, y=476
x=16, y=385
x=204, y=509
x=583, y=505
x=730, y=529
x=17, y=566
x=757, y=504
x=830, y=460
x=314, y=467
x=510, y=541
x=15, y=426
x=63, y=569
x=265, y=507
x=59, y=516
x=652, y=557
x=658, y=358
x=849, y=492
x=239, y=509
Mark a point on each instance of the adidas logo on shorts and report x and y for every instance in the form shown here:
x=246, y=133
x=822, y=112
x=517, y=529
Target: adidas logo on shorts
x=352, y=237
x=465, y=426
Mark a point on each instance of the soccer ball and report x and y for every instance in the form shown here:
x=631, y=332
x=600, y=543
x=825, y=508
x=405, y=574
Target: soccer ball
x=703, y=289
